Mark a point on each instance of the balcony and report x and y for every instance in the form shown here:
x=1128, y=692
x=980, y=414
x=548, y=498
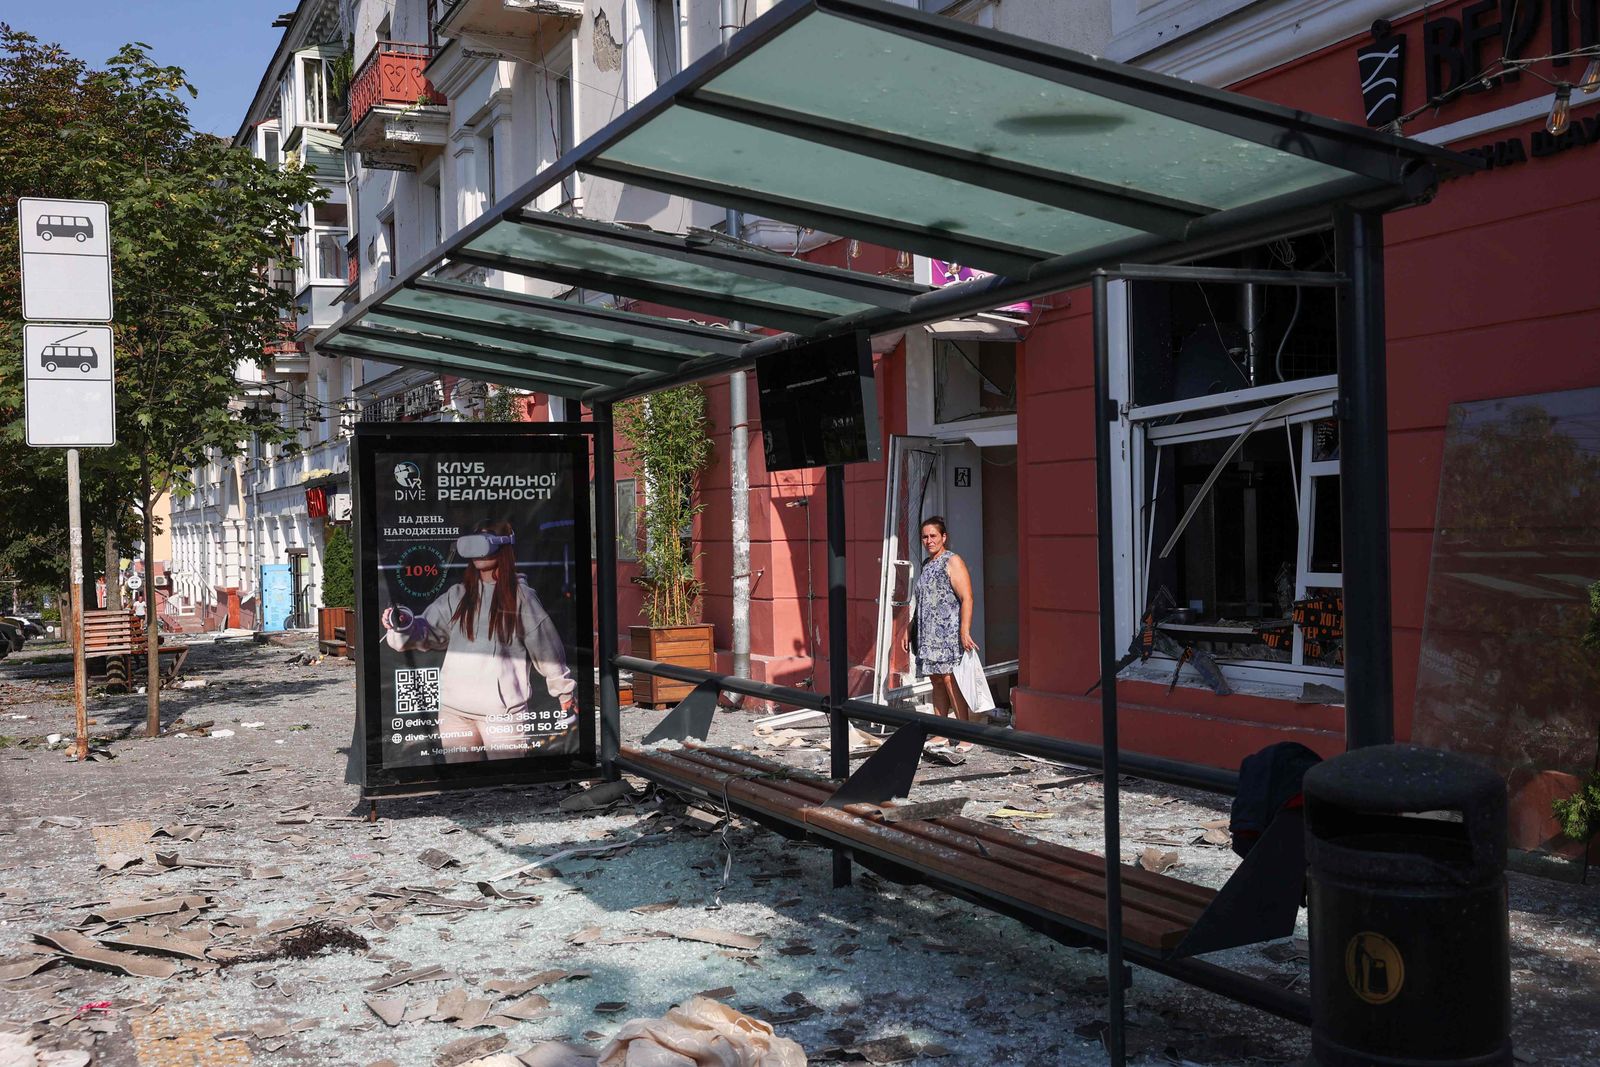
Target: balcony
x=286, y=355
x=395, y=112
x=515, y=27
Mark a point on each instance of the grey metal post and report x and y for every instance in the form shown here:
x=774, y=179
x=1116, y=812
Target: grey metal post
x=738, y=448
x=838, y=652
x=1364, y=482
x=605, y=540
x=80, y=669
x=1105, y=412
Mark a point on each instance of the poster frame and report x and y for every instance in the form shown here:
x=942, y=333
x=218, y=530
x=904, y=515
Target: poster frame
x=365, y=766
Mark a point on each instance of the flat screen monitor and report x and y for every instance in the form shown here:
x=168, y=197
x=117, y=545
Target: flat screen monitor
x=819, y=404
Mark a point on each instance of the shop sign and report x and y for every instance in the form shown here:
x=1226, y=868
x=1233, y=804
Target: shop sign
x=941, y=272
x=1539, y=145
x=1459, y=48
x=473, y=607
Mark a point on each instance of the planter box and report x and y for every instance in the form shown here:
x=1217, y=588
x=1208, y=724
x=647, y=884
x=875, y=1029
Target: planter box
x=686, y=646
x=336, y=634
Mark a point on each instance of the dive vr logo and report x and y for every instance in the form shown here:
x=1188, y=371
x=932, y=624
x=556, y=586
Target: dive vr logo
x=408, y=481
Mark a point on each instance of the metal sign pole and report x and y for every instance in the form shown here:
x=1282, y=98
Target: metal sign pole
x=80, y=671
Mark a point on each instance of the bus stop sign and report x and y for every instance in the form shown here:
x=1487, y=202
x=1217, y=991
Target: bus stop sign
x=70, y=388
x=66, y=259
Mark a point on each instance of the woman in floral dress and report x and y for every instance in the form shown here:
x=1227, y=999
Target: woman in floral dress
x=943, y=621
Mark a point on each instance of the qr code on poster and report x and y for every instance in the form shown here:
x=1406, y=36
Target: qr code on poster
x=416, y=692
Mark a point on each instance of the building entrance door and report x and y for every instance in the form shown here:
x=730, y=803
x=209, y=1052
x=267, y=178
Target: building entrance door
x=299, y=584
x=974, y=486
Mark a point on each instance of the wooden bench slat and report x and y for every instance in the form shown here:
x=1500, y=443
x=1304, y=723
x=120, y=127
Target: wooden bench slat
x=1157, y=911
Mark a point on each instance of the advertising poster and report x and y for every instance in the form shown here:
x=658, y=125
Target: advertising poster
x=473, y=566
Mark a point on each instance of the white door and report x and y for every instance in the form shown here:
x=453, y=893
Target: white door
x=913, y=478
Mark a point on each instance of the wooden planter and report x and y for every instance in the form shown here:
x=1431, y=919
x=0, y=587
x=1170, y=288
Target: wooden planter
x=686, y=646
x=336, y=631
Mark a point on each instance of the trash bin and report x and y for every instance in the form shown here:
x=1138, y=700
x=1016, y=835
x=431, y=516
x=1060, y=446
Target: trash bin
x=1410, y=937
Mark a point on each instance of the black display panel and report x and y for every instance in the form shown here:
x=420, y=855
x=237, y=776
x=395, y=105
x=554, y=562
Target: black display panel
x=819, y=404
x=473, y=605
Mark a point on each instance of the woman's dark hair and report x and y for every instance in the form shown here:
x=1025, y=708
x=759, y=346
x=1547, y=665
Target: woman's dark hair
x=936, y=521
x=505, y=619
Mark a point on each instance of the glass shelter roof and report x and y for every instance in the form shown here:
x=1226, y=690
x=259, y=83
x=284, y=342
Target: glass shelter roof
x=867, y=119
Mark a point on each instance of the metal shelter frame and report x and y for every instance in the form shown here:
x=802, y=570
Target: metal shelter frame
x=1044, y=223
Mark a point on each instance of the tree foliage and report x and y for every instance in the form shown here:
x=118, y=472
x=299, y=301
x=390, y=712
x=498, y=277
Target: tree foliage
x=671, y=440
x=338, y=569
x=193, y=224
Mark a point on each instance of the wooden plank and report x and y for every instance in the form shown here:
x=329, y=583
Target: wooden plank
x=1158, y=910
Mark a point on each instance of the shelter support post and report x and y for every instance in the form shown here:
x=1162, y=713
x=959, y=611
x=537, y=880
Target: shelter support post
x=1105, y=412
x=838, y=653
x=605, y=540
x=1364, y=481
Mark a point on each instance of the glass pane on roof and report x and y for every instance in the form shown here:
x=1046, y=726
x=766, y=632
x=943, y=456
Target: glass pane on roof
x=501, y=350
x=696, y=146
x=572, y=250
x=837, y=68
x=418, y=353
x=530, y=319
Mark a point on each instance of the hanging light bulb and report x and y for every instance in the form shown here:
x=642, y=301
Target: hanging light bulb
x=1561, y=112
x=1591, y=76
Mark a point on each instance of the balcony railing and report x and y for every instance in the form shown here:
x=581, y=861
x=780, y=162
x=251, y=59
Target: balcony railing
x=392, y=75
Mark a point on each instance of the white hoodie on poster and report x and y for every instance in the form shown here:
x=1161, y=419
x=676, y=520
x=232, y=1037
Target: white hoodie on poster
x=481, y=675
x=974, y=686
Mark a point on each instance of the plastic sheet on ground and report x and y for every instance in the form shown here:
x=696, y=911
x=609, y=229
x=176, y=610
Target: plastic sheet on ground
x=701, y=1033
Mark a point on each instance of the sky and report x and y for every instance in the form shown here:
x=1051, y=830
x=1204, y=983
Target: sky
x=224, y=45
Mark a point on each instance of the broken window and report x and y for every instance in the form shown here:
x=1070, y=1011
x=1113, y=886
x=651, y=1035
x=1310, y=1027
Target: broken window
x=1227, y=527
x=973, y=379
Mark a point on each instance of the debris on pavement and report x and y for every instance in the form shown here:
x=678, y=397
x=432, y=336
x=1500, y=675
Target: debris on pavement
x=703, y=1031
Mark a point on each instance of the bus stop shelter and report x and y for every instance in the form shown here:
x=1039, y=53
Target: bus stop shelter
x=1048, y=168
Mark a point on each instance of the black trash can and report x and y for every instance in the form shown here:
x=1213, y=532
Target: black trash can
x=1410, y=938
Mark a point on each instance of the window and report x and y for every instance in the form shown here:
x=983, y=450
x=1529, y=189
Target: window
x=432, y=204
x=627, y=521
x=488, y=184
x=269, y=144
x=664, y=48
x=322, y=248
x=565, y=131
x=390, y=252
x=973, y=379
x=1227, y=517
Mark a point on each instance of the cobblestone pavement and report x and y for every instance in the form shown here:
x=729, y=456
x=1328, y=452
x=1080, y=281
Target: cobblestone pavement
x=242, y=840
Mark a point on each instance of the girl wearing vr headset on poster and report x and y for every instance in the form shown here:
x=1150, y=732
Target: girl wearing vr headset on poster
x=493, y=630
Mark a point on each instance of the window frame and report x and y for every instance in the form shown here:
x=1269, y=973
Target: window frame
x=1134, y=438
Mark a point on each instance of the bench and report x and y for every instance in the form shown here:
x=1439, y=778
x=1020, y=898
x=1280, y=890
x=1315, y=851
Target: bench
x=119, y=638
x=1054, y=888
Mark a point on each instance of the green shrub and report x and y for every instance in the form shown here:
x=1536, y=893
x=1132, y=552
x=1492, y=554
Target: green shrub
x=1579, y=814
x=338, y=570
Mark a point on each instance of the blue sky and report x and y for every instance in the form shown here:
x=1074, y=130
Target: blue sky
x=224, y=45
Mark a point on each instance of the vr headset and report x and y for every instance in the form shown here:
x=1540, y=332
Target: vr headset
x=482, y=545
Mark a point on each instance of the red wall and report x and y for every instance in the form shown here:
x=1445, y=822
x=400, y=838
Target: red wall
x=1490, y=292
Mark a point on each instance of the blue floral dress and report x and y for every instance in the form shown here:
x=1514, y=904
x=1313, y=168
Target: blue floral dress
x=938, y=618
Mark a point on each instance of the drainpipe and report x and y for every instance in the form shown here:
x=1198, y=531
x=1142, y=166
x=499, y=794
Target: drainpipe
x=739, y=448
x=255, y=521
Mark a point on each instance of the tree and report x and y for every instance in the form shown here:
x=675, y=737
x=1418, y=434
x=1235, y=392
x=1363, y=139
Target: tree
x=338, y=570
x=671, y=442
x=194, y=223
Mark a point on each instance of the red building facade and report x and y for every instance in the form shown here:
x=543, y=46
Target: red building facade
x=1490, y=294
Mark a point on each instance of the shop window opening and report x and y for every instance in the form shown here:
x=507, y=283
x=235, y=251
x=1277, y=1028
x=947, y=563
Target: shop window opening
x=973, y=379
x=1228, y=525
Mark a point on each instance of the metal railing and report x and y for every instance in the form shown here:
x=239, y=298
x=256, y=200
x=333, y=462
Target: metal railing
x=1155, y=768
x=392, y=75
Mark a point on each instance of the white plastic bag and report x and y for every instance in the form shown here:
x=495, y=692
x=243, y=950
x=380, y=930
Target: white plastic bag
x=701, y=1033
x=974, y=686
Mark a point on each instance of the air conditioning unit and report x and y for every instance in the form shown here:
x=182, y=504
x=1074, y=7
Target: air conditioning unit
x=339, y=507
